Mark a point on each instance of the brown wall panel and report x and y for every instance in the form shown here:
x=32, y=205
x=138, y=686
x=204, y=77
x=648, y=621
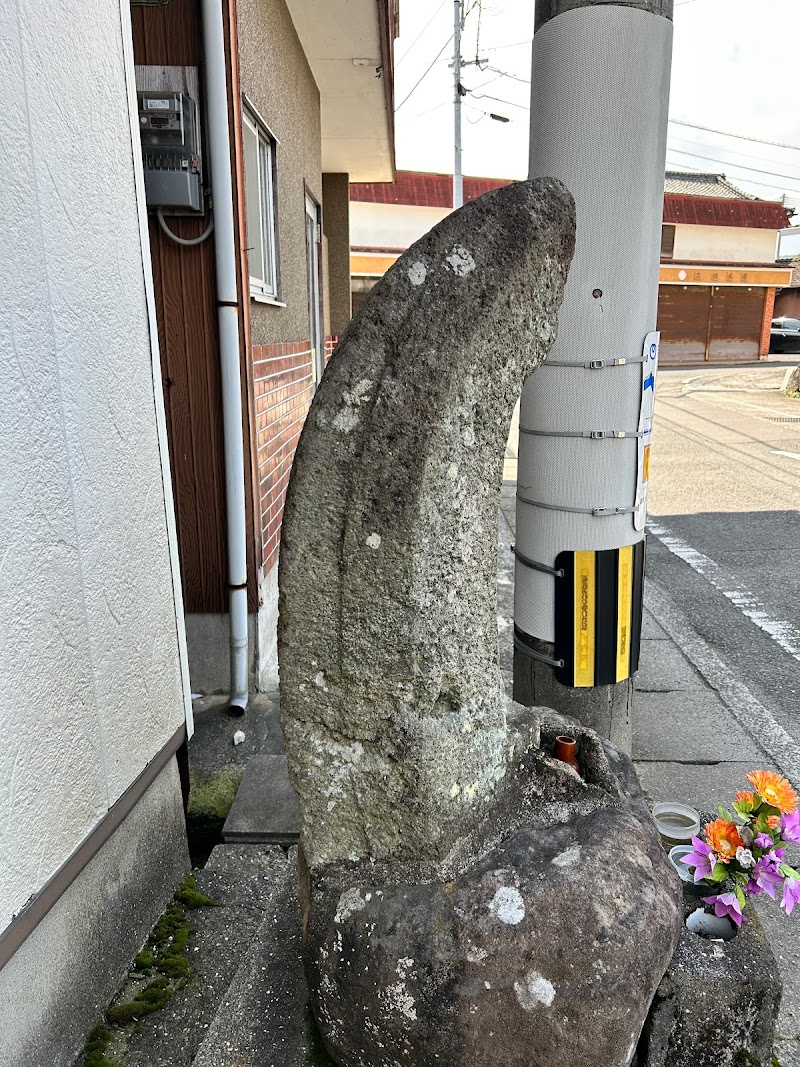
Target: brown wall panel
x=185, y=292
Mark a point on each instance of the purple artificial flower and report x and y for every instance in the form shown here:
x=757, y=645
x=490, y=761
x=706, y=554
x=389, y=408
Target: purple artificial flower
x=763, y=841
x=753, y=889
x=791, y=894
x=790, y=827
x=726, y=904
x=766, y=875
x=702, y=859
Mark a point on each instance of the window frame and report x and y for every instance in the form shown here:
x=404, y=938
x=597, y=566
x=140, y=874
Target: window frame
x=264, y=284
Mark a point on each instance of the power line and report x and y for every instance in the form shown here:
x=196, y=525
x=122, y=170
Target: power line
x=508, y=103
x=740, y=136
x=425, y=74
x=505, y=74
x=515, y=44
x=738, y=166
x=478, y=34
x=436, y=58
x=424, y=28
x=750, y=181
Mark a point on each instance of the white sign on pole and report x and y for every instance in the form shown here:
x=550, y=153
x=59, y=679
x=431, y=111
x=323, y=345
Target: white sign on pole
x=649, y=368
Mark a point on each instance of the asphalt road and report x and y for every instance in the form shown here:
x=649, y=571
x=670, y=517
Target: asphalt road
x=725, y=522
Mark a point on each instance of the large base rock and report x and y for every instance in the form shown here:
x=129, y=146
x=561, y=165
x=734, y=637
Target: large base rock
x=546, y=950
x=717, y=1004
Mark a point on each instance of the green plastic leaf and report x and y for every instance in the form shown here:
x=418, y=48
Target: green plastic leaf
x=740, y=897
x=788, y=871
x=719, y=874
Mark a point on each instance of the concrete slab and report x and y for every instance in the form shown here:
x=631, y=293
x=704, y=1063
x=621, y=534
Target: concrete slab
x=265, y=1019
x=244, y=881
x=212, y=748
x=664, y=669
x=265, y=809
x=702, y=786
x=651, y=630
x=691, y=726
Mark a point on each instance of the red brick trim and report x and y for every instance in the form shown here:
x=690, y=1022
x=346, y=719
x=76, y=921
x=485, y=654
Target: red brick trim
x=283, y=386
x=766, y=325
x=330, y=345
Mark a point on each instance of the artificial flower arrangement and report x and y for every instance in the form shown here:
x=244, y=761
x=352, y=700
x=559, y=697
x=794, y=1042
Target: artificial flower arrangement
x=743, y=852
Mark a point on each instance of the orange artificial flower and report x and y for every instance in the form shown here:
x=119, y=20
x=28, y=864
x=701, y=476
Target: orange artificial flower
x=743, y=796
x=773, y=821
x=723, y=837
x=775, y=790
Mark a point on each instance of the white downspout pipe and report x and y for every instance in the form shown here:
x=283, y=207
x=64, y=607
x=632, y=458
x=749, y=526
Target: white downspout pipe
x=228, y=311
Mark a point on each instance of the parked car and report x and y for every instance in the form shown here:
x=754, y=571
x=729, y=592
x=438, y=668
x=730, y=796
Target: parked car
x=784, y=335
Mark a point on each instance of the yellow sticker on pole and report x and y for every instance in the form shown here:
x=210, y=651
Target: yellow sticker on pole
x=624, y=603
x=584, y=630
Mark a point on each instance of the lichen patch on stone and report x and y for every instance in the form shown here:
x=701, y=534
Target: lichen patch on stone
x=417, y=273
x=396, y=997
x=508, y=905
x=374, y=541
x=534, y=991
x=461, y=261
x=349, y=902
x=568, y=858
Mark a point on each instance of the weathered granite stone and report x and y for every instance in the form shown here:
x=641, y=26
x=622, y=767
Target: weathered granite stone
x=717, y=1004
x=392, y=704
x=467, y=899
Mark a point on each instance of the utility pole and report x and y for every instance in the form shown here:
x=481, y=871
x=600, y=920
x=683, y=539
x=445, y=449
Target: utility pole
x=458, y=177
x=600, y=93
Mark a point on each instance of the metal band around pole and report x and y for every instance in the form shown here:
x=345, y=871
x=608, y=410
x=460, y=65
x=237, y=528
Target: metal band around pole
x=592, y=435
x=556, y=572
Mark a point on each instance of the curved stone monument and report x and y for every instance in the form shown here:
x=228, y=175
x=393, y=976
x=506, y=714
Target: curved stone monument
x=467, y=899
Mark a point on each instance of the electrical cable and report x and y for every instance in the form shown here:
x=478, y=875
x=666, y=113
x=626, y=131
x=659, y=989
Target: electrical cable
x=740, y=136
x=750, y=181
x=424, y=28
x=186, y=241
x=425, y=74
x=435, y=59
x=506, y=74
x=739, y=166
x=509, y=103
x=478, y=35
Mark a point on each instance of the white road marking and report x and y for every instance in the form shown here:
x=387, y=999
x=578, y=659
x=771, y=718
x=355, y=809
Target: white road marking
x=791, y=455
x=751, y=715
x=783, y=633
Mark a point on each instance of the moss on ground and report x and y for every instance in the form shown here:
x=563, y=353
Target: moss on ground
x=210, y=800
x=189, y=895
x=162, y=963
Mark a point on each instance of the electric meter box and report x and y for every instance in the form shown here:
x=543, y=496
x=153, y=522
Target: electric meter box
x=170, y=150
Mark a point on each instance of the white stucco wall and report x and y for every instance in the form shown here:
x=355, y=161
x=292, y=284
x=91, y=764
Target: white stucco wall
x=91, y=685
x=724, y=244
x=391, y=225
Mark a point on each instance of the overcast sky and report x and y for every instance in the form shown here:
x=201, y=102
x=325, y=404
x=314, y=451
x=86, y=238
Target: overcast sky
x=734, y=70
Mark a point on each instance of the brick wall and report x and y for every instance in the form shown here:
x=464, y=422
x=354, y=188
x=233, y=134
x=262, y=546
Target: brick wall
x=283, y=383
x=330, y=344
